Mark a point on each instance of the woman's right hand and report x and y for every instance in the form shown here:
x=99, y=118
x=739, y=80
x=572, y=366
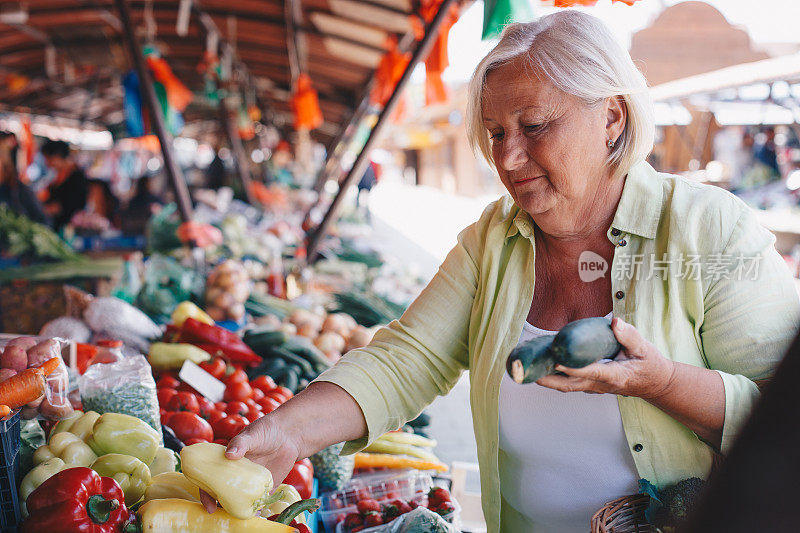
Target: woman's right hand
x=265, y=442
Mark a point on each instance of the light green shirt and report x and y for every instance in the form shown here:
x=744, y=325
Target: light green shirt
x=736, y=315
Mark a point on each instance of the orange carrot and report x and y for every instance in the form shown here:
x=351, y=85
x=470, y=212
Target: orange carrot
x=23, y=388
x=49, y=366
x=4, y=411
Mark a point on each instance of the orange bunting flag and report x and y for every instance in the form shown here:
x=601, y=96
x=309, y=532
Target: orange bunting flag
x=305, y=104
x=388, y=73
x=178, y=95
x=436, y=63
x=573, y=3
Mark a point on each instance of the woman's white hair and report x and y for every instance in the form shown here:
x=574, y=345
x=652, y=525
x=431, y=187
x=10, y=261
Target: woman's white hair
x=580, y=56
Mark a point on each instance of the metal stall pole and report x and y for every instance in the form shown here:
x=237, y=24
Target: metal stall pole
x=239, y=155
x=164, y=138
x=361, y=161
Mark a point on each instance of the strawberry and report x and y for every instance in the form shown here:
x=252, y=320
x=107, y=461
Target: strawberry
x=413, y=504
x=373, y=519
x=352, y=521
x=436, y=496
x=368, y=505
x=390, y=512
x=402, y=506
x=445, y=508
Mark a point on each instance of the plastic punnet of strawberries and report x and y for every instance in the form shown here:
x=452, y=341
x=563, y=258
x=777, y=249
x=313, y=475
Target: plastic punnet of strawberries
x=371, y=512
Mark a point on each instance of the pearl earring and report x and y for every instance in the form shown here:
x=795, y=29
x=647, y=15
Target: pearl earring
x=610, y=143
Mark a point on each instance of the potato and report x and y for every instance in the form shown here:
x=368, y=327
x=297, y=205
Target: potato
x=336, y=324
x=31, y=409
x=351, y=322
x=55, y=412
x=236, y=312
x=15, y=358
x=6, y=373
x=289, y=328
x=359, y=338
x=333, y=356
x=42, y=352
x=23, y=342
x=303, y=316
x=240, y=291
x=307, y=330
x=216, y=314
x=329, y=341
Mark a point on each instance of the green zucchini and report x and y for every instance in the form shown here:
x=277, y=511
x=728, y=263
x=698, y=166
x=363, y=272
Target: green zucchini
x=306, y=349
x=260, y=340
x=268, y=367
x=290, y=358
x=531, y=360
x=291, y=378
x=583, y=342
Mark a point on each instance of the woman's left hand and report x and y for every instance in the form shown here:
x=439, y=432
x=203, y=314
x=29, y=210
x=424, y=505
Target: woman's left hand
x=638, y=370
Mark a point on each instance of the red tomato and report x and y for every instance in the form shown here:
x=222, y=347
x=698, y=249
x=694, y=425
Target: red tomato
x=268, y=404
x=190, y=426
x=185, y=387
x=284, y=391
x=238, y=376
x=216, y=415
x=216, y=367
x=301, y=477
x=224, y=442
x=237, y=391
x=263, y=383
x=194, y=441
x=277, y=395
x=165, y=416
x=221, y=406
x=164, y=395
x=167, y=382
x=253, y=415
x=257, y=393
x=228, y=427
x=184, y=401
x=206, y=406
x=237, y=408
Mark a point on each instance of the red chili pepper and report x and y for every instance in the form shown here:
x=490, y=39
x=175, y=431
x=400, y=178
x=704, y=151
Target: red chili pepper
x=76, y=499
x=215, y=340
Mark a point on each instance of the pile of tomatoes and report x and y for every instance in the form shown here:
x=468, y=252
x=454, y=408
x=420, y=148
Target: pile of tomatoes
x=194, y=418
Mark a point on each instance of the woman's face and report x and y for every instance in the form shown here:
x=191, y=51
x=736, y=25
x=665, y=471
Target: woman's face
x=550, y=149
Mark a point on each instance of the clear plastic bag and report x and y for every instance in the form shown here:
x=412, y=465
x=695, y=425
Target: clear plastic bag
x=20, y=353
x=126, y=387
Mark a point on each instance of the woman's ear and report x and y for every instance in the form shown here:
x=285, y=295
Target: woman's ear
x=616, y=117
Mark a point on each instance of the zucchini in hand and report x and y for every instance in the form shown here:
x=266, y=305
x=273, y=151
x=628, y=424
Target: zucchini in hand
x=578, y=344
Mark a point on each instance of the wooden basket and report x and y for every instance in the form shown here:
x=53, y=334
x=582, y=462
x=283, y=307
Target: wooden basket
x=623, y=515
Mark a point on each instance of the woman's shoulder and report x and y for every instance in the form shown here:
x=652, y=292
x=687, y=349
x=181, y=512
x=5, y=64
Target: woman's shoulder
x=701, y=211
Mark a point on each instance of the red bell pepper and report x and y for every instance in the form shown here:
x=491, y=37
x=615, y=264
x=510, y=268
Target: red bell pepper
x=76, y=499
x=216, y=340
x=301, y=477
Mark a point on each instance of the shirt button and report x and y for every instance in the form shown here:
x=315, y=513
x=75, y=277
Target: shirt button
x=615, y=232
x=623, y=242
x=638, y=447
x=620, y=295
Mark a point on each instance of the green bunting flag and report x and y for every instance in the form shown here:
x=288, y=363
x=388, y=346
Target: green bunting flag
x=498, y=13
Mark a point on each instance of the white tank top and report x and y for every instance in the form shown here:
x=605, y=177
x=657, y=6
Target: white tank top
x=562, y=455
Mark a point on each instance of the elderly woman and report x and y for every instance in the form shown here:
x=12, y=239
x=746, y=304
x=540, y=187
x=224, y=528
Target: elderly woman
x=701, y=302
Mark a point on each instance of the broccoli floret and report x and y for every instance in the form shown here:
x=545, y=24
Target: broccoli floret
x=678, y=501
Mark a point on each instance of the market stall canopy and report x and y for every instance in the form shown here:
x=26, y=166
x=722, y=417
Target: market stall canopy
x=66, y=57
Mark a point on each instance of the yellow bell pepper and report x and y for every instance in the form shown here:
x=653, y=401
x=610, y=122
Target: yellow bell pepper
x=81, y=426
x=241, y=486
x=67, y=447
x=132, y=475
x=182, y=516
x=38, y=475
x=126, y=435
x=189, y=310
x=165, y=460
x=65, y=423
x=171, y=485
x=171, y=356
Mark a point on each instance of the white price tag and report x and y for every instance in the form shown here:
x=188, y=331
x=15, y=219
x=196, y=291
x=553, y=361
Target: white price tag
x=202, y=381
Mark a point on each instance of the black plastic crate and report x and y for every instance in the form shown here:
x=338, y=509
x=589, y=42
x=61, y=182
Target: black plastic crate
x=9, y=474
